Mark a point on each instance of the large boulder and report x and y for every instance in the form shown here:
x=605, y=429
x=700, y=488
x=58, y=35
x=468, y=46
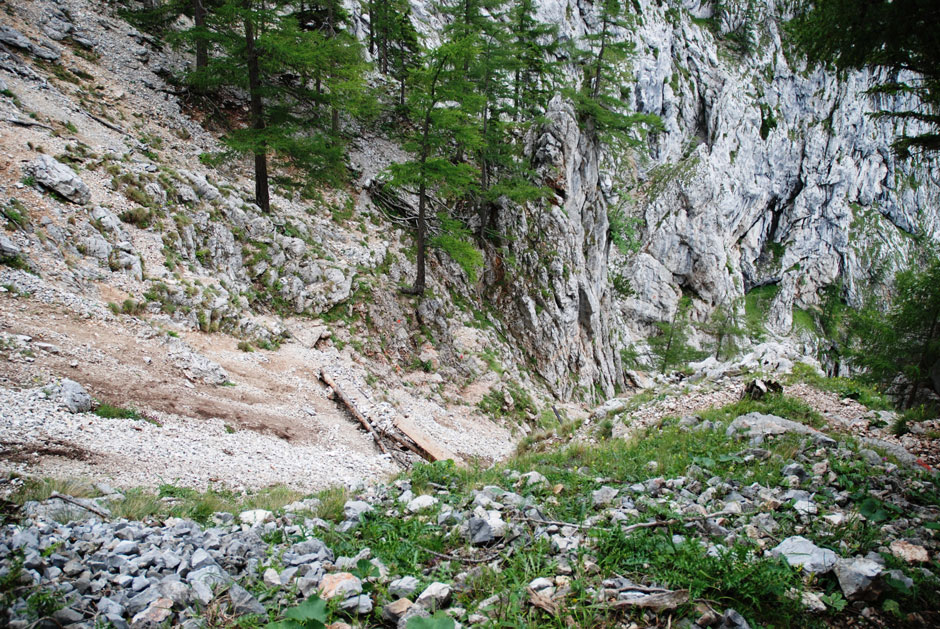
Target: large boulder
x=758, y=425
x=56, y=176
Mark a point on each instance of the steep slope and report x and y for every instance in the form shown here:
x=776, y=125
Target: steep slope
x=767, y=173
x=153, y=281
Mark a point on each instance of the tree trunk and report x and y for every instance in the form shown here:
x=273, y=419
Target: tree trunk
x=371, y=6
x=202, y=49
x=420, y=283
x=596, y=87
x=262, y=197
x=418, y=288
x=922, y=366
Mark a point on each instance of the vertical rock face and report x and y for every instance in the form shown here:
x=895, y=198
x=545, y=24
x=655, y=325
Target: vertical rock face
x=766, y=172
x=553, y=290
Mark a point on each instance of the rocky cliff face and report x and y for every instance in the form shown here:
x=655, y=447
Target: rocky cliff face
x=767, y=172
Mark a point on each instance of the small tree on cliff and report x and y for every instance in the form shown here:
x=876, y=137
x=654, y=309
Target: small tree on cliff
x=899, y=349
x=670, y=348
x=604, y=93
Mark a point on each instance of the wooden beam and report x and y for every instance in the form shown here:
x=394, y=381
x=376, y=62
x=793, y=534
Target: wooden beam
x=325, y=376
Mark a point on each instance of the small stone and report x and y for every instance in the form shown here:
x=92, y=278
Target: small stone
x=243, y=602
x=415, y=611
x=176, y=591
x=154, y=616
x=403, y=588
x=271, y=578
x=603, y=496
x=360, y=604
x=200, y=559
x=340, y=584
x=812, y=602
x=255, y=517
x=799, y=551
x=394, y=611
x=67, y=616
x=911, y=553
x=421, y=503
x=74, y=397
x=435, y=596
x=54, y=175
x=805, y=507
x=480, y=531
x=856, y=578
x=354, y=509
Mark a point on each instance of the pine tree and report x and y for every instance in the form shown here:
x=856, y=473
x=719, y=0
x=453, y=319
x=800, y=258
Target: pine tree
x=724, y=325
x=441, y=105
x=670, y=348
x=288, y=71
x=534, y=77
x=604, y=91
x=393, y=41
x=899, y=349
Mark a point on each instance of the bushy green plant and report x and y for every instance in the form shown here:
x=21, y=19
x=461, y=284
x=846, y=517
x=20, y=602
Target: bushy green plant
x=897, y=349
x=455, y=240
x=670, y=348
x=109, y=411
x=756, y=308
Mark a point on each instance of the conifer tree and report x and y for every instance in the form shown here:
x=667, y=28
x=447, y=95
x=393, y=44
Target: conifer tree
x=899, y=349
x=604, y=92
x=670, y=347
x=725, y=326
x=441, y=105
x=534, y=76
x=262, y=48
x=393, y=41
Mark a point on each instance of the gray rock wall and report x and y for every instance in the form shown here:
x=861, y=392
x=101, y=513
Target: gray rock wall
x=767, y=171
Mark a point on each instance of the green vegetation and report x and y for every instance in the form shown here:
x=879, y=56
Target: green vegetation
x=885, y=35
x=253, y=45
x=675, y=553
x=670, y=348
x=843, y=387
x=757, y=303
x=725, y=327
x=904, y=339
x=455, y=240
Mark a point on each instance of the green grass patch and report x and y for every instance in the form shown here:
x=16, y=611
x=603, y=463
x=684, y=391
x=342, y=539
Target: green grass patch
x=755, y=586
x=757, y=306
x=843, y=387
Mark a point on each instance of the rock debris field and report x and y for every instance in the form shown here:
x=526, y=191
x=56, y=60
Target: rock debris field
x=145, y=574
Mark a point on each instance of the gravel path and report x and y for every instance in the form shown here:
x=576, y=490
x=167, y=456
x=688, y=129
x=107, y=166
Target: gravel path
x=132, y=453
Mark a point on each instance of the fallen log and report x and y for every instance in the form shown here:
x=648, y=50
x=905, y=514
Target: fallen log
x=432, y=451
x=352, y=409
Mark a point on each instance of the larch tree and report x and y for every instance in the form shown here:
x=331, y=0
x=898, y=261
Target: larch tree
x=287, y=71
x=900, y=36
x=441, y=105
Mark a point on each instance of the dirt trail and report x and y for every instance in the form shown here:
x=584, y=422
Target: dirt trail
x=124, y=361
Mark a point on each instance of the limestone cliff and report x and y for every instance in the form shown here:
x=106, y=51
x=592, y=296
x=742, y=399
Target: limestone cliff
x=767, y=172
